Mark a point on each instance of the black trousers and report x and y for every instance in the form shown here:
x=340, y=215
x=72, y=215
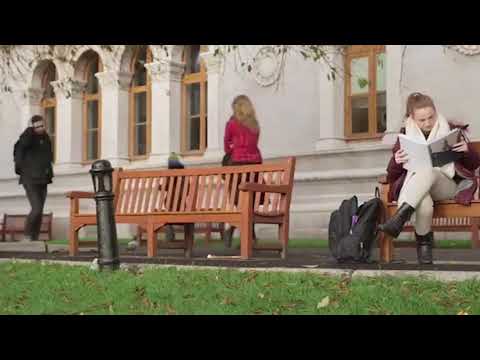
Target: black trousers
x=36, y=194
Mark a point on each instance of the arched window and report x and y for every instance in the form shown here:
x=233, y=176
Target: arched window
x=91, y=109
x=194, y=102
x=140, y=105
x=49, y=103
x=365, y=91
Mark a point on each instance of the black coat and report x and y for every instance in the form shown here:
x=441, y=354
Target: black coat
x=36, y=156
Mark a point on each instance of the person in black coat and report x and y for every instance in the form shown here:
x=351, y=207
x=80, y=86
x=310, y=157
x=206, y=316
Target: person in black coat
x=33, y=162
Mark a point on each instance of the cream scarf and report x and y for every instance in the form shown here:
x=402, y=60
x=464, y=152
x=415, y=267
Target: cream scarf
x=441, y=128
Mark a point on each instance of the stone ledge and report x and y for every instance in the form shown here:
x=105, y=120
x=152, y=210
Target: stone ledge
x=444, y=276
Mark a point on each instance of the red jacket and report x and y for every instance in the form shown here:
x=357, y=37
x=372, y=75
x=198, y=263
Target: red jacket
x=464, y=168
x=241, y=143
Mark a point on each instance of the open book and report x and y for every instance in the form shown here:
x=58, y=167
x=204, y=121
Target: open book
x=425, y=154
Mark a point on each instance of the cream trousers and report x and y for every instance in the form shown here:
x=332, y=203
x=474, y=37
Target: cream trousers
x=424, y=187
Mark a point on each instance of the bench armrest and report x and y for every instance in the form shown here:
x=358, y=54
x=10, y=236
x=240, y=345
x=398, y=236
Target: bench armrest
x=80, y=195
x=280, y=189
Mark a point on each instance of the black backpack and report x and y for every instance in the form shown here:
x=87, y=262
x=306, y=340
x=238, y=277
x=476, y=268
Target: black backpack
x=352, y=230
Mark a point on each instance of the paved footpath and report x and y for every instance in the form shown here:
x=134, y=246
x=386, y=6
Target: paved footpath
x=450, y=265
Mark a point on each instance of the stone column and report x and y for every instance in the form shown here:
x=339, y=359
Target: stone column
x=165, y=78
x=69, y=124
x=395, y=106
x=114, y=114
x=214, y=123
x=331, y=108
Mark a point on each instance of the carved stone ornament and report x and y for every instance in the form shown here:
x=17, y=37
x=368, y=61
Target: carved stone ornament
x=165, y=70
x=469, y=50
x=266, y=66
x=68, y=88
x=113, y=79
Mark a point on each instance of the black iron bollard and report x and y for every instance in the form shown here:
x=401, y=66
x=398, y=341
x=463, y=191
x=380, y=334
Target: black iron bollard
x=107, y=243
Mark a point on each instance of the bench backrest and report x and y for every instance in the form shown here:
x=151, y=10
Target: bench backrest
x=201, y=189
x=17, y=222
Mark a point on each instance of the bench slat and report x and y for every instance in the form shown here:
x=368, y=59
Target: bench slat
x=162, y=194
x=171, y=184
x=233, y=192
x=200, y=192
x=208, y=194
x=121, y=195
x=217, y=192
x=192, y=193
x=148, y=192
x=186, y=186
x=141, y=194
x=154, y=195
x=176, y=198
x=226, y=192
x=134, y=190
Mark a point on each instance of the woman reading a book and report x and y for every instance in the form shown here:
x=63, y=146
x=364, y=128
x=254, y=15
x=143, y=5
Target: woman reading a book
x=416, y=190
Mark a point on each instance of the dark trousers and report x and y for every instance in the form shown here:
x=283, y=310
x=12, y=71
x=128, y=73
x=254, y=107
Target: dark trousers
x=36, y=194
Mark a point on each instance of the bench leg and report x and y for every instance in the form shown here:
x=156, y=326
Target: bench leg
x=475, y=236
x=246, y=237
x=73, y=241
x=283, y=236
x=189, y=234
x=386, y=248
x=151, y=241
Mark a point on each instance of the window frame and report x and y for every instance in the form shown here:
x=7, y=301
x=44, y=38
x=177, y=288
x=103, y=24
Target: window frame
x=354, y=52
x=86, y=98
x=133, y=90
x=189, y=79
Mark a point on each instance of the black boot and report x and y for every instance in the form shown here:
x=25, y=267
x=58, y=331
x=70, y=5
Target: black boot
x=394, y=225
x=424, y=248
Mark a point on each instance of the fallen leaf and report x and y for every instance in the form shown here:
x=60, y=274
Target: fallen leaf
x=251, y=276
x=170, y=310
x=261, y=296
x=462, y=312
x=323, y=303
x=110, y=308
x=227, y=301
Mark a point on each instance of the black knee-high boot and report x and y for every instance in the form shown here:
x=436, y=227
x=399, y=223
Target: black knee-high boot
x=394, y=225
x=424, y=248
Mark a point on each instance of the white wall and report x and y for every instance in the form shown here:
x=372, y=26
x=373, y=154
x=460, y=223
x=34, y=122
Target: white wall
x=452, y=79
x=288, y=115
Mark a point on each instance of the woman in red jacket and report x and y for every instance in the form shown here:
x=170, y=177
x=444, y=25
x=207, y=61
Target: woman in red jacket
x=416, y=191
x=242, y=133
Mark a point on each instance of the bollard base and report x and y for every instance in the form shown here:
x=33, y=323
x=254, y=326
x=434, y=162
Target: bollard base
x=109, y=265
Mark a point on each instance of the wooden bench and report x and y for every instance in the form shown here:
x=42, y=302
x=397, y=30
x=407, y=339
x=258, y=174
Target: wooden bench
x=152, y=199
x=15, y=224
x=448, y=216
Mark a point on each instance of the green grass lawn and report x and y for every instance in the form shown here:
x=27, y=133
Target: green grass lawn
x=297, y=243
x=30, y=288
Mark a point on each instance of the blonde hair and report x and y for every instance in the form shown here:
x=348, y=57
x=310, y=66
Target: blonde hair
x=244, y=112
